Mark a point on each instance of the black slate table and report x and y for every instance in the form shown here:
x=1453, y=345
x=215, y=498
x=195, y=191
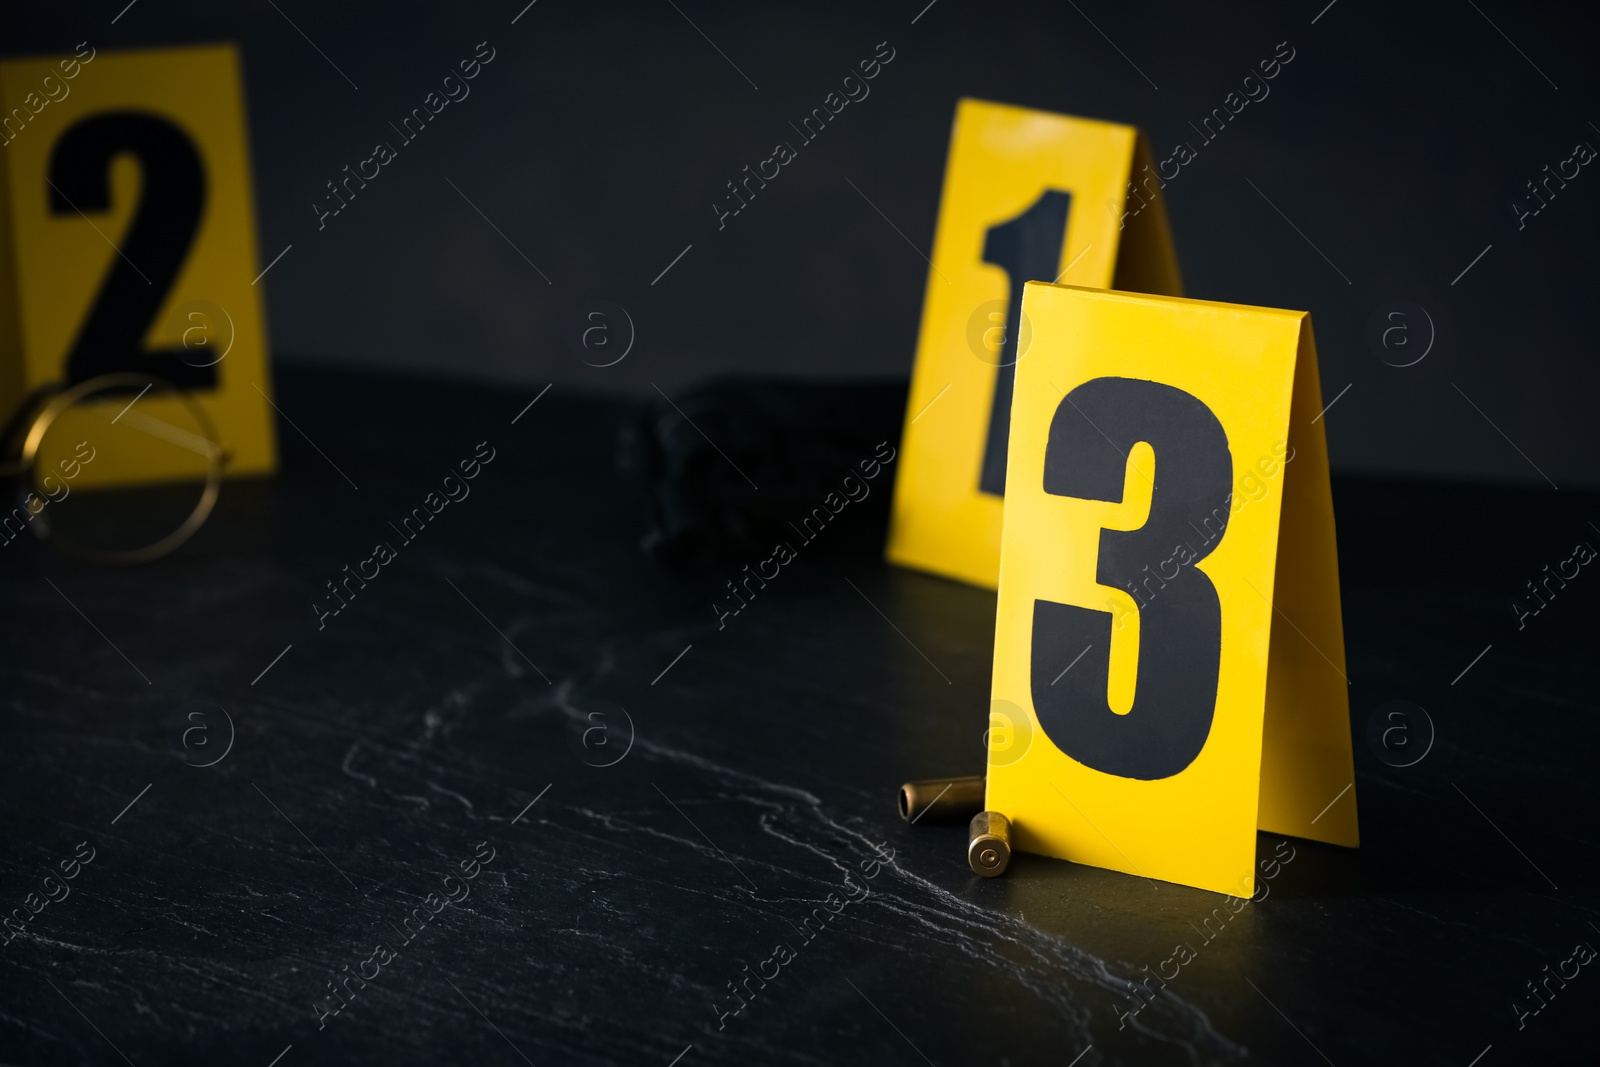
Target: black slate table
x=412, y=772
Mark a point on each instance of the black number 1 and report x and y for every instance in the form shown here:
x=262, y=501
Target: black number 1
x=1028, y=249
x=1180, y=617
x=111, y=339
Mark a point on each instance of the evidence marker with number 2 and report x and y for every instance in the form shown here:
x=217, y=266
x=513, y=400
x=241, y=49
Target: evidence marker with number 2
x=125, y=205
x=1168, y=614
x=1028, y=196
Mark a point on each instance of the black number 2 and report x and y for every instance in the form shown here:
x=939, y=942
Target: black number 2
x=1028, y=249
x=111, y=339
x=1180, y=617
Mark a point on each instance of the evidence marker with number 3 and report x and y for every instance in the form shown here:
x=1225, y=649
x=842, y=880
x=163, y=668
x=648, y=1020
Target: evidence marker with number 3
x=1168, y=613
x=1028, y=196
x=127, y=244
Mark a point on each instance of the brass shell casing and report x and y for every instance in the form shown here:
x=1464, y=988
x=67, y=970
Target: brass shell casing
x=989, y=844
x=942, y=799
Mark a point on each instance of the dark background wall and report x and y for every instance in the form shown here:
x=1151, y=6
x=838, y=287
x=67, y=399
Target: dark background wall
x=600, y=135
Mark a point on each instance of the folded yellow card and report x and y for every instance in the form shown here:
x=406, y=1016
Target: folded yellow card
x=1028, y=196
x=1169, y=666
x=127, y=242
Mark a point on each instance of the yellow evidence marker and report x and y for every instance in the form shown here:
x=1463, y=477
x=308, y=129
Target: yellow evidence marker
x=1028, y=196
x=127, y=244
x=1169, y=670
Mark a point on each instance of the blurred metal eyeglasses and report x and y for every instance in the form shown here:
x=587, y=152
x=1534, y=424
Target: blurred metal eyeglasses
x=137, y=456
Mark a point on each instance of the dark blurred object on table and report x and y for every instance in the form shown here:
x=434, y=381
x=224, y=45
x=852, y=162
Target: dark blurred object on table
x=727, y=467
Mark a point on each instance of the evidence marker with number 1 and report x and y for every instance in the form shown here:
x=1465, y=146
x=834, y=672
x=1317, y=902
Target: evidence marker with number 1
x=1028, y=196
x=989, y=844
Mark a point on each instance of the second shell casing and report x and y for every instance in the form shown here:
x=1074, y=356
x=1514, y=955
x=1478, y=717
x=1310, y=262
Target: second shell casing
x=942, y=799
x=989, y=844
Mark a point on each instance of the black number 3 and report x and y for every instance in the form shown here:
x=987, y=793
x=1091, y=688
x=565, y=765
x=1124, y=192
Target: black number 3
x=174, y=189
x=1180, y=617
